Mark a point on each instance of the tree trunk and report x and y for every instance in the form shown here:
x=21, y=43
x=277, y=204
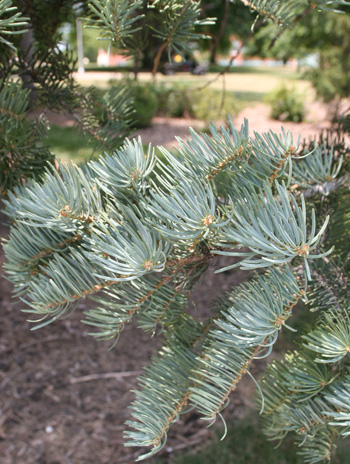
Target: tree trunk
x=216, y=40
x=27, y=50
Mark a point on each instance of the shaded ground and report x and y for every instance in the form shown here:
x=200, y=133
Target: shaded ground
x=64, y=396
x=164, y=130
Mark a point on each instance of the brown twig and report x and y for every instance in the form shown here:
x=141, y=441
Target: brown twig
x=296, y=20
x=12, y=115
x=158, y=56
x=223, y=24
x=166, y=43
x=248, y=362
x=223, y=94
x=261, y=13
x=217, y=169
x=281, y=163
x=179, y=264
x=104, y=376
x=227, y=67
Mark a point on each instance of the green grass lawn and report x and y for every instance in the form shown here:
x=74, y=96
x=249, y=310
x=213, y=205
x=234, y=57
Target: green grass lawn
x=242, y=81
x=268, y=70
x=248, y=85
x=249, y=98
x=69, y=144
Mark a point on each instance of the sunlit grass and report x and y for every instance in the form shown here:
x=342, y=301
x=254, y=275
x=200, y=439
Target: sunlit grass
x=243, y=81
x=68, y=144
x=248, y=85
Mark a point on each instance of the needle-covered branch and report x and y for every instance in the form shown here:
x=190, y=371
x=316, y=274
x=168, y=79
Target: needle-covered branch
x=135, y=233
x=11, y=22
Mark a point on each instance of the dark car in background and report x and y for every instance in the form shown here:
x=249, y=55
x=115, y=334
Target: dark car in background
x=181, y=64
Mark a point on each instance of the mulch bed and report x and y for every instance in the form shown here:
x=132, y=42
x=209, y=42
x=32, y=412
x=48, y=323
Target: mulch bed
x=64, y=396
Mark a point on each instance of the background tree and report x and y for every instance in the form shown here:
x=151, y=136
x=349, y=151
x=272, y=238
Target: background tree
x=331, y=82
x=326, y=36
x=232, y=19
x=104, y=119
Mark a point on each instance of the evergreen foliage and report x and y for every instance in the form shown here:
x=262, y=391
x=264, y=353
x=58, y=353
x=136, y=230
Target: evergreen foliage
x=136, y=234
x=45, y=18
x=22, y=151
x=114, y=225
x=10, y=20
x=286, y=12
x=331, y=82
x=115, y=19
x=308, y=392
x=286, y=104
x=325, y=37
x=46, y=72
x=105, y=120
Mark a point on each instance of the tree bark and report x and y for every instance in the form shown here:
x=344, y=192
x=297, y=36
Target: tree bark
x=27, y=50
x=216, y=39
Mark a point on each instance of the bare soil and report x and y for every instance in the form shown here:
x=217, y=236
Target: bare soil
x=163, y=131
x=63, y=395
